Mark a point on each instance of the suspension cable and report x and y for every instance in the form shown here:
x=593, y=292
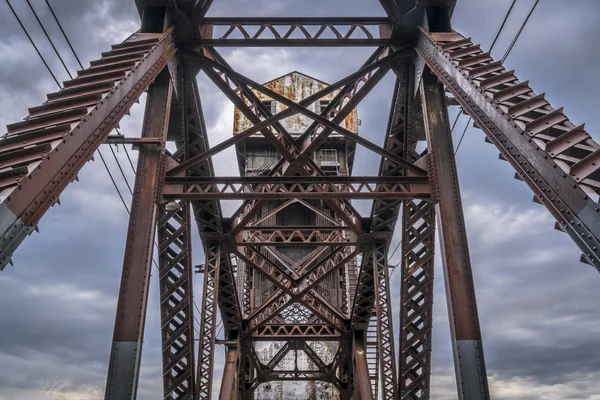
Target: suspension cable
x=64, y=34
x=81, y=65
x=508, y=51
x=33, y=43
x=48, y=37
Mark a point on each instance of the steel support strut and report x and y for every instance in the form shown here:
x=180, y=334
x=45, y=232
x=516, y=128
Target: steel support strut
x=176, y=302
x=469, y=362
x=362, y=381
x=229, y=382
x=124, y=364
x=208, y=322
x=44, y=153
x=418, y=247
x=385, y=334
x=558, y=160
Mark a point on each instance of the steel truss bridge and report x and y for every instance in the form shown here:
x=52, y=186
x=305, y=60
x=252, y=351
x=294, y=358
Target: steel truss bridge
x=42, y=155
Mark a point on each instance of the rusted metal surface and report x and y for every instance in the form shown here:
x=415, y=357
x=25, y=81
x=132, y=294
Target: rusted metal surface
x=273, y=32
x=416, y=310
x=208, y=322
x=41, y=155
x=469, y=361
x=296, y=263
x=123, y=369
x=556, y=158
x=176, y=302
x=296, y=87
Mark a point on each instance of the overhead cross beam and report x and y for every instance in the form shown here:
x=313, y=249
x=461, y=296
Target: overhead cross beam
x=294, y=32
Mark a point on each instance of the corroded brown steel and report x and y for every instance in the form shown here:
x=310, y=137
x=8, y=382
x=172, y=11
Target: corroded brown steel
x=469, y=361
x=176, y=304
x=44, y=153
x=208, y=322
x=284, y=188
x=362, y=382
x=235, y=87
x=558, y=160
x=416, y=317
x=385, y=334
x=123, y=369
x=405, y=129
x=208, y=214
x=229, y=384
x=348, y=87
x=400, y=139
x=273, y=32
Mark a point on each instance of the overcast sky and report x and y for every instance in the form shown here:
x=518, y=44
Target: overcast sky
x=538, y=305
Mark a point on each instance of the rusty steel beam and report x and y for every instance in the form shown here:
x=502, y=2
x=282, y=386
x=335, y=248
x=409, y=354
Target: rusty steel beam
x=200, y=9
x=416, y=316
x=363, y=389
x=320, y=191
x=312, y=301
x=469, y=361
x=176, y=302
x=278, y=33
x=334, y=127
x=224, y=80
x=285, y=332
x=385, y=334
x=347, y=86
x=281, y=300
x=124, y=364
x=208, y=214
x=281, y=31
x=208, y=322
x=558, y=160
x=288, y=21
x=229, y=384
x=44, y=153
x=391, y=8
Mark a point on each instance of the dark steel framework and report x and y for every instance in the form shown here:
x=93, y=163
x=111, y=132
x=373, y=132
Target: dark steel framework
x=347, y=253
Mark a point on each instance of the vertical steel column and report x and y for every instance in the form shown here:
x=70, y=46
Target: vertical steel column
x=460, y=291
x=176, y=302
x=208, y=321
x=418, y=248
x=229, y=382
x=385, y=333
x=362, y=381
x=126, y=352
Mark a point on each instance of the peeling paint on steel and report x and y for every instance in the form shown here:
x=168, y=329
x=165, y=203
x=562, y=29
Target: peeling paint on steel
x=295, y=86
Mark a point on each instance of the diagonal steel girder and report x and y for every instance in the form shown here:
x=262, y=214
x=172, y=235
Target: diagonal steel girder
x=44, y=153
x=316, y=304
x=281, y=300
x=558, y=160
x=340, y=208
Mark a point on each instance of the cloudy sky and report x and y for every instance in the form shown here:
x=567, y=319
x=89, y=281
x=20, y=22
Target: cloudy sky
x=537, y=303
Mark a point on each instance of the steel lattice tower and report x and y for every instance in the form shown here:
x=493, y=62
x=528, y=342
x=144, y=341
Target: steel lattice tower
x=297, y=264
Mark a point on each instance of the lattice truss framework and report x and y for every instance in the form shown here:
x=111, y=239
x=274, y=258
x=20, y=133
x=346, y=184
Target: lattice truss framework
x=338, y=293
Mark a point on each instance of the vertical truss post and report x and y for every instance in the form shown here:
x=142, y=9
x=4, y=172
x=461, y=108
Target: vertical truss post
x=229, y=382
x=362, y=381
x=418, y=248
x=385, y=334
x=176, y=302
x=208, y=321
x=469, y=361
x=126, y=352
